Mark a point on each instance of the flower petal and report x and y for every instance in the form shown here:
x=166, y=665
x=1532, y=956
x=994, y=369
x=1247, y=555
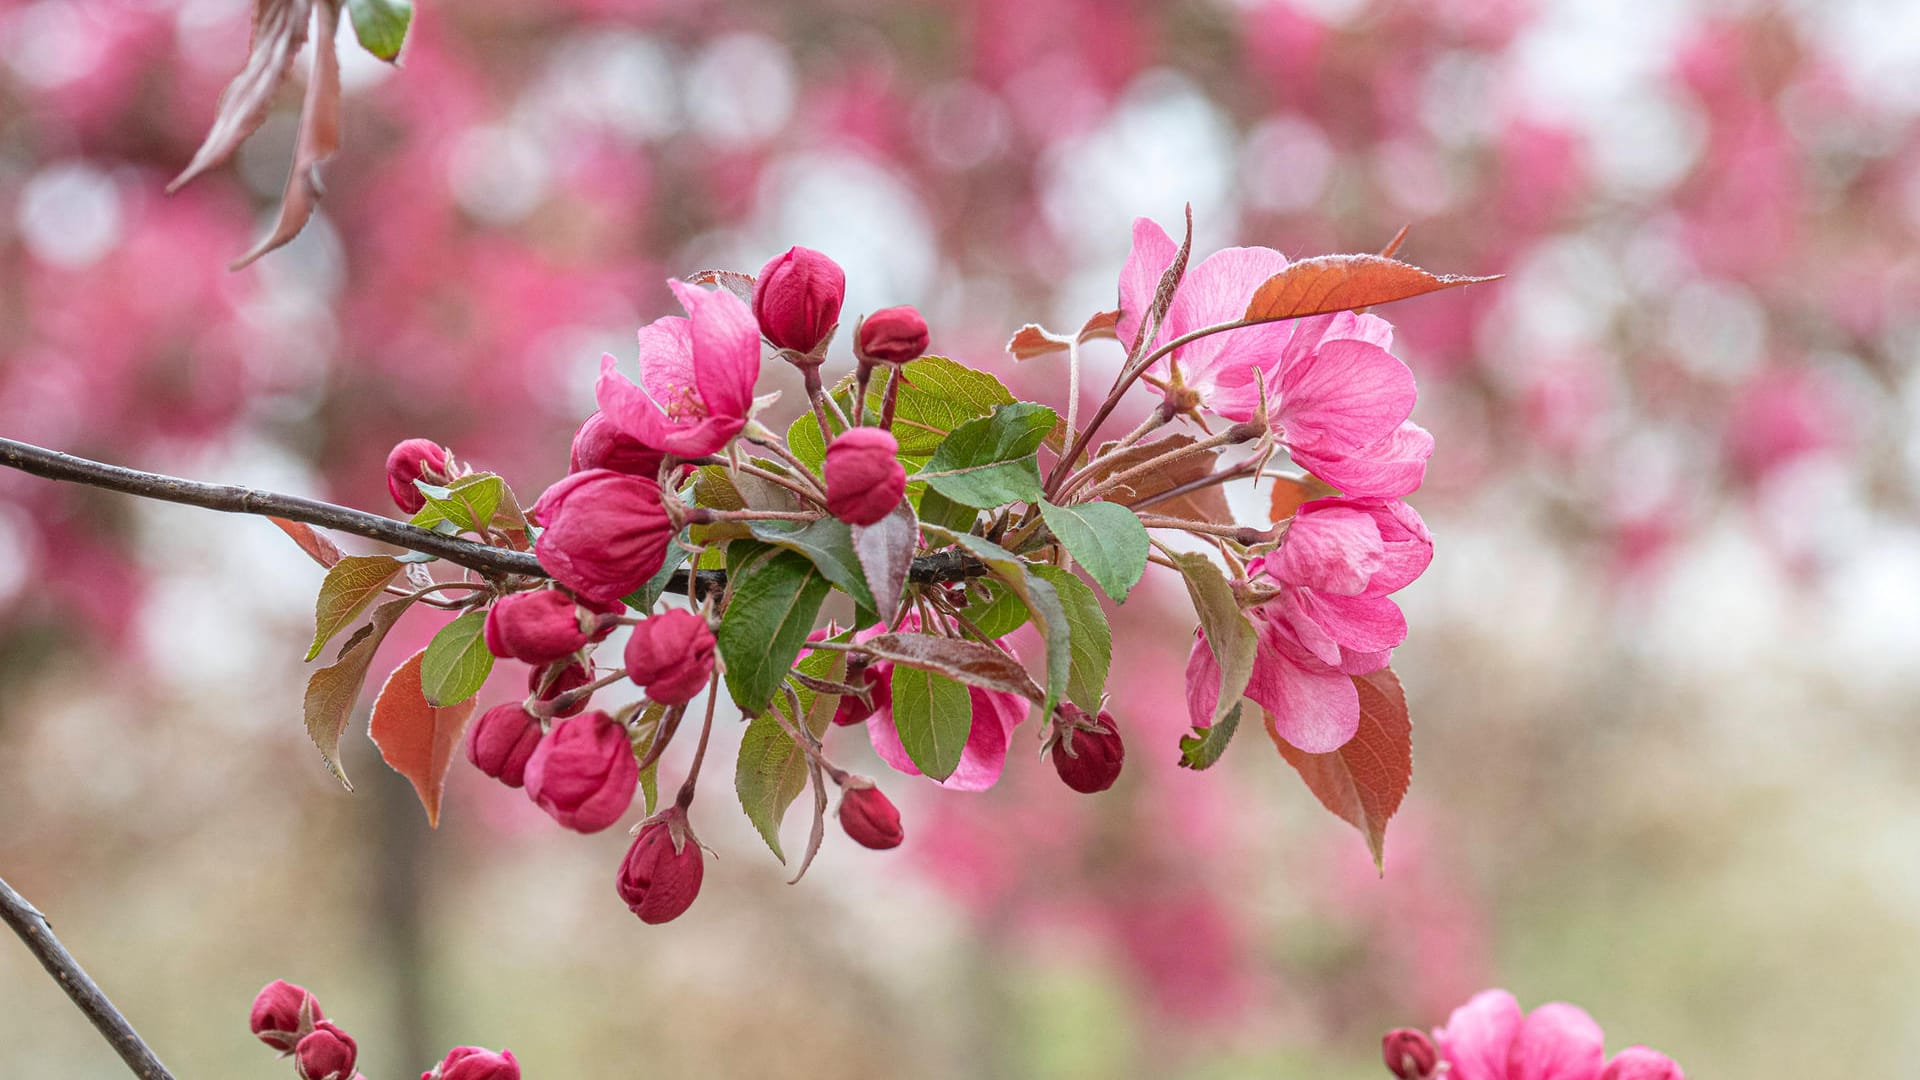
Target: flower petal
x=726, y=348
x=1346, y=396
x=1479, y=1036
x=1557, y=1042
x=1153, y=251
x=1332, y=547
x=1317, y=710
x=1393, y=467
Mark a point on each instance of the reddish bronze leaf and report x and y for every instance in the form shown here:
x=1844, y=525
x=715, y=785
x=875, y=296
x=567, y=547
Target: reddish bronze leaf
x=735, y=282
x=416, y=739
x=1330, y=283
x=317, y=547
x=1032, y=341
x=1101, y=325
x=1363, y=781
x=319, y=136
x=958, y=659
x=1289, y=492
x=1205, y=504
x=279, y=29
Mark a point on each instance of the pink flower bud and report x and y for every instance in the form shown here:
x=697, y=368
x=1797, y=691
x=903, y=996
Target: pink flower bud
x=584, y=773
x=1088, y=758
x=660, y=877
x=1640, y=1063
x=864, y=478
x=869, y=816
x=600, y=445
x=797, y=298
x=475, y=1063
x=572, y=676
x=671, y=656
x=606, y=533
x=414, y=459
x=326, y=1053
x=1409, y=1054
x=892, y=335
x=282, y=1013
x=538, y=627
x=852, y=710
x=501, y=741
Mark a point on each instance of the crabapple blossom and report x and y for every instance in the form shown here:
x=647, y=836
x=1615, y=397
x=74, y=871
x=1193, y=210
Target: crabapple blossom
x=660, y=876
x=584, y=773
x=475, y=1063
x=864, y=478
x=282, y=1013
x=411, y=460
x=601, y=445
x=796, y=299
x=1089, y=752
x=671, y=656
x=502, y=741
x=696, y=376
x=325, y=1053
x=605, y=535
x=547, y=683
x=869, y=817
x=537, y=627
x=892, y=335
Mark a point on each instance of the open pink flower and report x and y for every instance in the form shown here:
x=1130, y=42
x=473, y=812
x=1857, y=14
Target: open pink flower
x=995, y=715
x=1489, y=1038
x=696, y=376
x=1338, y=398
x=1330, y=619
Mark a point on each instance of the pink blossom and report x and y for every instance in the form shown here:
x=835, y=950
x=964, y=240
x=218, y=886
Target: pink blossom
x=696, y=376
x=1338, y=398
x=1329, y=619
x=1489, y=1038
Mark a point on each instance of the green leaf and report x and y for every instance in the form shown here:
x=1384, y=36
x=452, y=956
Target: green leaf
x=770, y=773
x=1091, y=637
x=1229, y=634
x=1202, y=749
x=350, y=585
x=1002, y=614
x=381, y=25
x=468, y=504
x=994, y=460
x=332, y=691
x=645, y=729
x=933, y=715
x=773, y=598
x=1105, y=538
x=457, y=662
x=936, y=395
x=828, y=542
x=1042, y=600
x=937, y=509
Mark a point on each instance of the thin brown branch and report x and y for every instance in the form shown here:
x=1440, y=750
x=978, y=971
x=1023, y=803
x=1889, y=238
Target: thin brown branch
x=37, y=933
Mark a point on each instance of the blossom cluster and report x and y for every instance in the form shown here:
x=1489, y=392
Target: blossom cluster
x=288, y=1018
x=1491, y=1038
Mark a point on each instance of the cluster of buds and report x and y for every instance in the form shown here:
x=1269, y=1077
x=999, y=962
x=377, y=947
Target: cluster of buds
x=288, y=1018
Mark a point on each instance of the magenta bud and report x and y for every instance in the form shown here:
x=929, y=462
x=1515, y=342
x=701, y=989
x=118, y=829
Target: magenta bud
x=600, y=445
x=1409, y=1054
x=1089, y=753
x=892, y=335
x=797, y=299
x=283, y=1012
x=538, y=627
x=584, y=773
x=660, y=877
x=851, y=710
x=1640, y=1063
x=671, y=656
x=571, y=677
x=415, y=459
x=864, y=478
x=869, y=816
x=501, y=742
x=475, y=1063
x=605, y=535
x=326, y=1053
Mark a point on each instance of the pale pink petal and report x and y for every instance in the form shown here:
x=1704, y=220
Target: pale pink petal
x=1557, y=1042
x=1640, y=1063
x=1479, y=1036
x=1316, y=710
x=995, y=716
x=666, y=369
x=1310, y=333
x=1409, y=547
x=1364, y=663
x=1346, y=396
x=1359, y=623
x=1223, y=367
x=1330, y=547
x=726, y=348
x=1203, y=681
x=628, y=407
x=1391, y=468
x=1153, y=251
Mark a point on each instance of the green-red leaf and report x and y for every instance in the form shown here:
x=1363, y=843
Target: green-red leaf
x=332, y=691
x=990, y=461
x=352, y=583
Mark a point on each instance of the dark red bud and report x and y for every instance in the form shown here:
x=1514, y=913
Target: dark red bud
x=538, y=627
x=282, y=1013
x=502, y=741
x=852, y=710
x=1088, y=758
x=414, y=459
x=671, y=655
x=869, y=816
x=892, y=335
x=660, y=877
x=1409, y=1054
x=797, y=298
x=326, y=1053
x=475, y=1063
x=572, y=676
x=864, y=478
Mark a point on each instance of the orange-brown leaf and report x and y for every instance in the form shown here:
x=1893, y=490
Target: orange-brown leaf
x=1205, y=504
x=1363, y=781
x=1101, y=325
x=1343, y=283
x=318, y=138
x=416, y=739
x=1032, y=341
x=317, y=546
x=1289, y=492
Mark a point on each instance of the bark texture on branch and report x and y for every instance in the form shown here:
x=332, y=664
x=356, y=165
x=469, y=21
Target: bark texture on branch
x=37, y=933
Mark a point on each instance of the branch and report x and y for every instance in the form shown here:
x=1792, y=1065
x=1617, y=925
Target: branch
x=34, y=929
x=948, y=566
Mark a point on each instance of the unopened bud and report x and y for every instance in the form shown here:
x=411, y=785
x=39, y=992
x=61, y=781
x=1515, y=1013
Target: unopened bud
x=584, y=773
x=892, y=335
x=282, y=1013
x=475, y=1063
x=796, y=298
x=538, y=627
x=326, y=1053
x=671, y=655
x=865, y=480
x=869, y=816
x=1640, y=1063
x=415, y=459
x=1409, y=1054
x=502, y=741
x=660, y=877
x=1088, y=753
